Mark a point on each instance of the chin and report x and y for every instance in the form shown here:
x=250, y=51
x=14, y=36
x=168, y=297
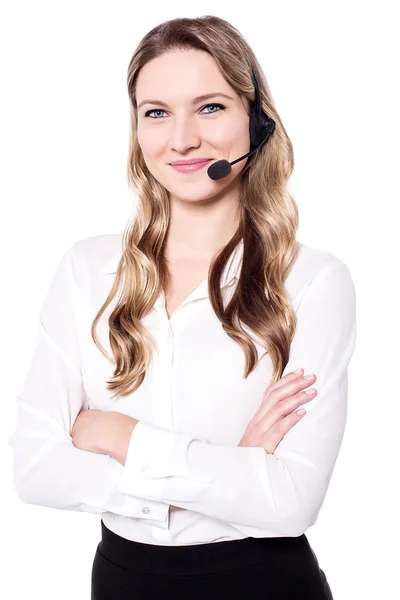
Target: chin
x=196, y=196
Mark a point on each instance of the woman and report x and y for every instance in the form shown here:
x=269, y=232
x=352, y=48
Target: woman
x=172, y=361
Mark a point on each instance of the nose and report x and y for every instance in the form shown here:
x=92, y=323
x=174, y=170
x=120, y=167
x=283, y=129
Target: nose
x=183, y=136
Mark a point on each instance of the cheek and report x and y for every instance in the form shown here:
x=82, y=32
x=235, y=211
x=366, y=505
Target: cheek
x=242, y=133
x=236, y=134
x=150, y=143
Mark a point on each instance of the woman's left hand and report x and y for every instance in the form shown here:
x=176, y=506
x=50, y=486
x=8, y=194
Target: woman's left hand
x=90, y=430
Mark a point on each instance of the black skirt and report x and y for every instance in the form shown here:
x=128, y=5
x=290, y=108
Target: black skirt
x=280, y=568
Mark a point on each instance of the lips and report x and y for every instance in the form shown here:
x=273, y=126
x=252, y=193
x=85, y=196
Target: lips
x=192, y=161
x=190, y=167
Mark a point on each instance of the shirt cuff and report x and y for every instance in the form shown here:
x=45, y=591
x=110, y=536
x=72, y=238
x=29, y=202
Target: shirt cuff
x=155, y=453
x=111, y=500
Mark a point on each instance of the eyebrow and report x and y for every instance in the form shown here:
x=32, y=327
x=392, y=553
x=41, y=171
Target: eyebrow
x=194, y=101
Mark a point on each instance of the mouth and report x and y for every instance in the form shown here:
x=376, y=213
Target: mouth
x=190, y=167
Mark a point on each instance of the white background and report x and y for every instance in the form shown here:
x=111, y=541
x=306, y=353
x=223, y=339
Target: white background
x=333, y=70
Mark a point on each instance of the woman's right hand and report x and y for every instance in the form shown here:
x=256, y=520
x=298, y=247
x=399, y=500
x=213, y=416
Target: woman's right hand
x=276, y=414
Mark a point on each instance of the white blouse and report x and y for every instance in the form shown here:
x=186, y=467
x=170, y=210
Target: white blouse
x=193, y=406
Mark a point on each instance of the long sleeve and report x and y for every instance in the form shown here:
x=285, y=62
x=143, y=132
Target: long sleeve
x=263, y=494
x=48, y=469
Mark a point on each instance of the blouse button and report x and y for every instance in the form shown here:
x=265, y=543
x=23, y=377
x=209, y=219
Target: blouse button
x=145, y=510
x=144, y=466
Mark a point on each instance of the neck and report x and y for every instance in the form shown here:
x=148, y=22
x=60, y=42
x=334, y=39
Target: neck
x=200, y=231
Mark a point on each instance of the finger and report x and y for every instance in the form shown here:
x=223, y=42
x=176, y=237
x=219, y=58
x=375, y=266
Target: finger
x=269, y=415
x=292, y=376
x=278, y=431
x=288, y=386
x=293, y=387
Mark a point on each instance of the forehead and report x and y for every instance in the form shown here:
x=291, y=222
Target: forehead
x=178, y=76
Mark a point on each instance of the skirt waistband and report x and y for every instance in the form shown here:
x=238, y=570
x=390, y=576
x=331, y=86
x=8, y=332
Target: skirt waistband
x=194, y=559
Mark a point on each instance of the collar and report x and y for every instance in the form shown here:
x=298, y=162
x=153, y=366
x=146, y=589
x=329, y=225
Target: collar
x=231, y=270
x=229, y=276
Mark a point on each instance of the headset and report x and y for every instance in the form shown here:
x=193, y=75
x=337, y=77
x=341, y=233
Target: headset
x=261, y=127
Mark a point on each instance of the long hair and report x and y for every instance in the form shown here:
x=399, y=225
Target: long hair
x=267, y=225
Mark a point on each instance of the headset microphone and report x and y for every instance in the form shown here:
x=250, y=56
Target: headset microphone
x=261, y=127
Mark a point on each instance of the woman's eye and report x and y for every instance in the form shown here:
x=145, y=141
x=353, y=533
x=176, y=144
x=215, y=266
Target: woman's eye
x=153, y=111
x=221, y=107
x=159, y=110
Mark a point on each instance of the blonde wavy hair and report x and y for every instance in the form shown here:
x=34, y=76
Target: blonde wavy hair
x=268, y=222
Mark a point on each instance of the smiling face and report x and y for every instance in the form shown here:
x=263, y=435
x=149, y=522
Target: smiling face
x=171, y=126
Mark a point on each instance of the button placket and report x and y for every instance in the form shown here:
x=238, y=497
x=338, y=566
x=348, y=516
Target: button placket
x=171, y=350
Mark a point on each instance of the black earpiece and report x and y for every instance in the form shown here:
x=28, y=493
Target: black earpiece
x=261, y=127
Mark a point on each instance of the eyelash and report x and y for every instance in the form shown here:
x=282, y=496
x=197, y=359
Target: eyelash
x=221, y=106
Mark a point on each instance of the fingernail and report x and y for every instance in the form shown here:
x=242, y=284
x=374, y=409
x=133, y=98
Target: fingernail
x=308, y=376
x=298, y=371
